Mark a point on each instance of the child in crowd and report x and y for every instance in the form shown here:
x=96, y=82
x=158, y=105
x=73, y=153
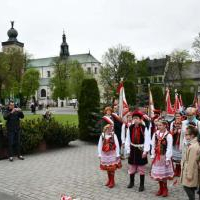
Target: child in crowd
x=109, y=153
x=162, y=168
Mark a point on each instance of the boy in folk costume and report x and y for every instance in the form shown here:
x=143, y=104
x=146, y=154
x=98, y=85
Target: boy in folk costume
x=108, y=150
x=162, y=166
x=175, y=129
x=137, y=145
x=126, y=124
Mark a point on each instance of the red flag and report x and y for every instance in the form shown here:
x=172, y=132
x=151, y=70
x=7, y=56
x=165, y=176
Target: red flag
x=169, y=108
x=123, y=106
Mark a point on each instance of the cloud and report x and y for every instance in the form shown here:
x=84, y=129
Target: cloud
x=147, y=27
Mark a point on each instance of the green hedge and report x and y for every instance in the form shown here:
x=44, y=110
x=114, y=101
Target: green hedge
x=36, y=131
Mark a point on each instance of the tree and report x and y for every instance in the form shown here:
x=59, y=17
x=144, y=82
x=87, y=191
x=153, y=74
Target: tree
x=30, y=83
x=196, y=47
x=77, y=75
x=158, y=97
x=89, y=103
x=179, y=62
x=130, y=92
x=118, y=62
x=4, y=74
x=60, y=81
x=17, y=61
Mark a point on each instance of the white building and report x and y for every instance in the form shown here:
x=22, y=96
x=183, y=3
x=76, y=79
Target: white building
x=46, y=69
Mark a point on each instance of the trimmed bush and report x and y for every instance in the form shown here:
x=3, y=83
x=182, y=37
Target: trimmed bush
x=130, y=92
x=36, y=131
x=89, y=103
x=158, y=97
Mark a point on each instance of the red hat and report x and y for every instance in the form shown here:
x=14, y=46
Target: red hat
x=137, y=113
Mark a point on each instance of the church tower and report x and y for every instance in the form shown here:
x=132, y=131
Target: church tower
x=64, y=48
x=12, y=42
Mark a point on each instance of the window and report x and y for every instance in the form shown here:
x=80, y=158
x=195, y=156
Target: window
x=43, y=93
x=48, y=74
x=95, y=70
x=155, y=79
x=89, y=70
x=160, y=79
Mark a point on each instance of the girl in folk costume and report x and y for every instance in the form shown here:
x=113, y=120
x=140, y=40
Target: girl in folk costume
x=125, y=127
x=108, y=150
x=175, y=129
x=162, y=166
x=190, y=162
x=137, y=145
x=107, y=118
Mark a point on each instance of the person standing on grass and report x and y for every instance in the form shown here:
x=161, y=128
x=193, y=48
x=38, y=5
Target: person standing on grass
x=12, y=116
x=190, y=162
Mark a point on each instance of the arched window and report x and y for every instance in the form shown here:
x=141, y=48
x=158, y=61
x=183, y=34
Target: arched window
x=43, y=93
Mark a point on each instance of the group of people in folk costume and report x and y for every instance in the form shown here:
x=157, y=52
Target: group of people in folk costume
x=172, y=145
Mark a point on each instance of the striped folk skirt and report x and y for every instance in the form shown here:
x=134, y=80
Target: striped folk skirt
x=160, y=171
x=177, y=155
x=109, y=161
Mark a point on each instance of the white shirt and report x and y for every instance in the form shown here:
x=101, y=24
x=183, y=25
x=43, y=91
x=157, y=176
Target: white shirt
x=100, y=144
x=124, y=131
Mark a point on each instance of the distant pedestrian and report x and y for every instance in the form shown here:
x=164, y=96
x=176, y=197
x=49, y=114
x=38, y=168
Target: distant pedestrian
x=47, y=113
x=12, y=116
x=33, y=108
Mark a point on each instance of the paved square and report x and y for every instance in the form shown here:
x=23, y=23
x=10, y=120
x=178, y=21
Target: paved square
x=73, y=170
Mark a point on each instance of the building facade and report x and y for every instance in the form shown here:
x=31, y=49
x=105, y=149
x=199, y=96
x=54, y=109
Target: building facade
x=46, y=68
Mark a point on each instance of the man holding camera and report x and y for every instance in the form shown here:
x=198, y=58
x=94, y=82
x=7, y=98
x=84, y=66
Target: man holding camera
x=12, y=115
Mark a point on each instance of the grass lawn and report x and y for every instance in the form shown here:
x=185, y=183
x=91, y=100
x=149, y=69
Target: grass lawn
x=71, y=119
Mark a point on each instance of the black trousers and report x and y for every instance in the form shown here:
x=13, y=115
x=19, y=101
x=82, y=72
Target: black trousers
x=190, y=191
x=13, y=143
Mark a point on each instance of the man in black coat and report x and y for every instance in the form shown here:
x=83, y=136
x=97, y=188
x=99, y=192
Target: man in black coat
x=12, y=116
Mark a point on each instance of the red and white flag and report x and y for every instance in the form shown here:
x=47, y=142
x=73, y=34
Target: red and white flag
x=181, y=102
x=151, y=104
x=169, y=108
x=123, y=106
x=177, y=104
x=195, y=101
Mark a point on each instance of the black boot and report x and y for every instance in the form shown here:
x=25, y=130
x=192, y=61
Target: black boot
x=141, y=188
x=132, y=181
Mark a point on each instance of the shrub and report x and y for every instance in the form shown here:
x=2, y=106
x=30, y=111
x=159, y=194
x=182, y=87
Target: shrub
x=52, y=132
x=89, y=103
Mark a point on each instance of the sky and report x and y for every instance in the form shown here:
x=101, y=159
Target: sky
x=150, y=28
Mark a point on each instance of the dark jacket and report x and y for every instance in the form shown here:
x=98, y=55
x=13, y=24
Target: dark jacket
x=13, y=120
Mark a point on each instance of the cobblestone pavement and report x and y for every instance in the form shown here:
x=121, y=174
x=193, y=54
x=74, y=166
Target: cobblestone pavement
x=73, y=170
